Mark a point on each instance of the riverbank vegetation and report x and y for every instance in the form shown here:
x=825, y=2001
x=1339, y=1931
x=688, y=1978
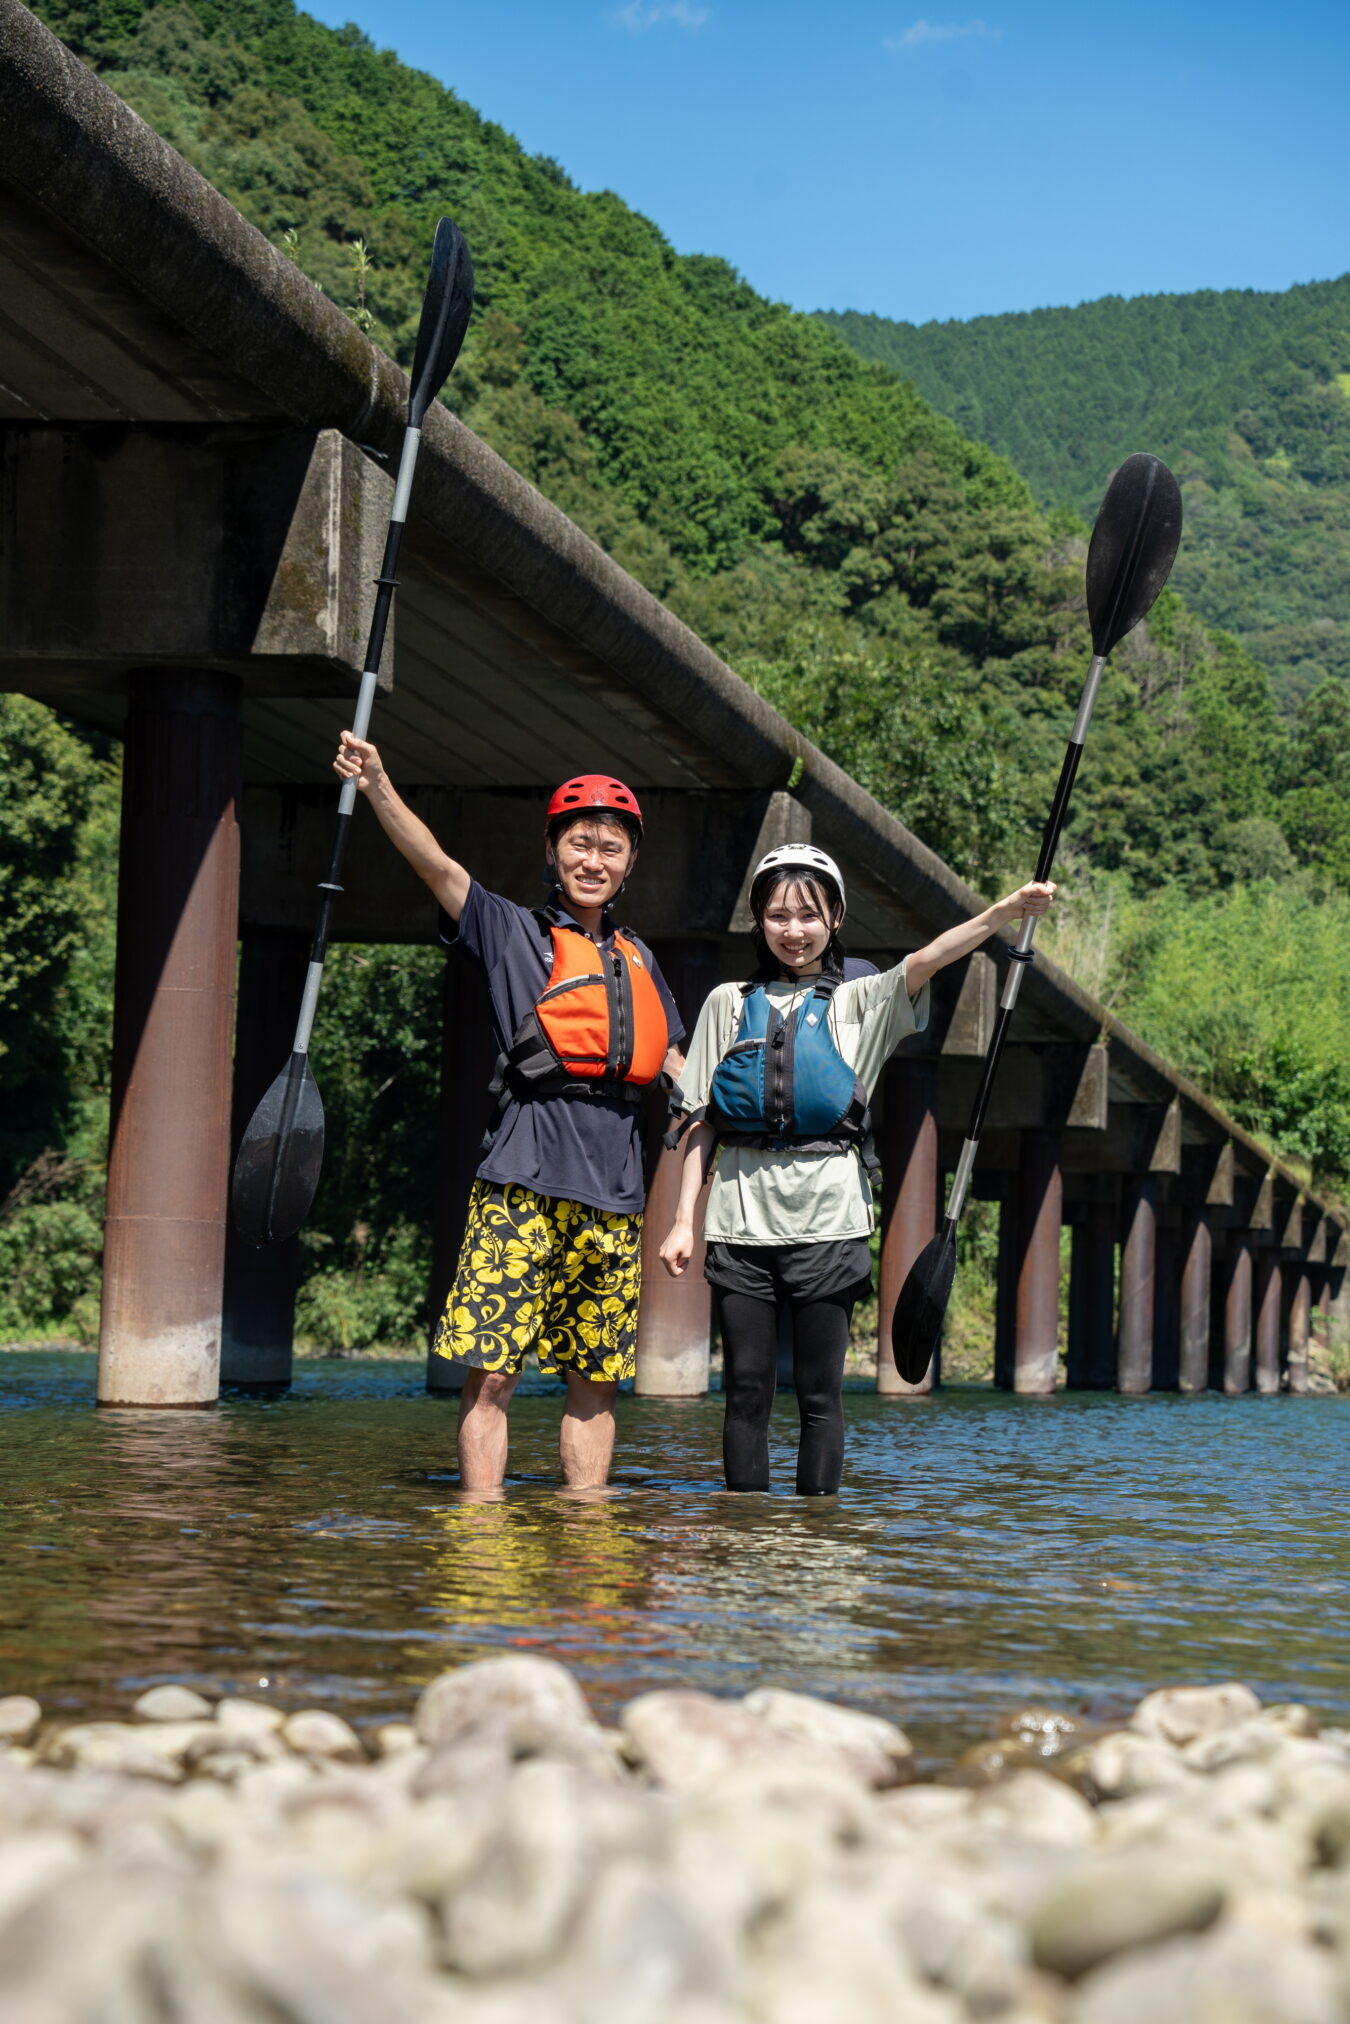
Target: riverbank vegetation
x=892, y=585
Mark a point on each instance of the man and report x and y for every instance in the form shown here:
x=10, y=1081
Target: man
x=584, y=1021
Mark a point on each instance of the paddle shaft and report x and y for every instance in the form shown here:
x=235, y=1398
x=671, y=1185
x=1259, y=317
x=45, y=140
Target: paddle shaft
x=330, y=888
x=1022, y=953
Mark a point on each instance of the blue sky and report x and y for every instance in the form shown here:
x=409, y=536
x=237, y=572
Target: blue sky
x=927, y=159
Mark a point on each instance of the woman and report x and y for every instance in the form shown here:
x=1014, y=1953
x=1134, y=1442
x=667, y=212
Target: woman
x=776, y=1084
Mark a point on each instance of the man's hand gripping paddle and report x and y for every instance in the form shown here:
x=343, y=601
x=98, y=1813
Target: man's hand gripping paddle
x=1134, y=545
x=277, y=1167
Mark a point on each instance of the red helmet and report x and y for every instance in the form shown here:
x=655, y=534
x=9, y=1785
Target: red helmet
x=595, y=790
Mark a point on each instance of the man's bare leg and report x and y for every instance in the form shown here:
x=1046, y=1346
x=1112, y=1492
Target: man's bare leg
x=586, y=1441
x=481, y=1441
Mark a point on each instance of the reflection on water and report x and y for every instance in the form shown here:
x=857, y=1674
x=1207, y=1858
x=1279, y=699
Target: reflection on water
x=985, y=1550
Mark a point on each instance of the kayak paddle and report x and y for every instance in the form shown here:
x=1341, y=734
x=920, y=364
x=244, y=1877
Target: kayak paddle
x=1134, y=544
x=277, y=1166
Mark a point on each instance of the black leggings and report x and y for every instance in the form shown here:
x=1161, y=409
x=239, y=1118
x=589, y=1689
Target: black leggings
x=749, y=1331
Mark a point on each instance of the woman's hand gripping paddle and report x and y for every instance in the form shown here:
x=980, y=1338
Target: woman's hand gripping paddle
x=277, y=1167
x=1134, y=545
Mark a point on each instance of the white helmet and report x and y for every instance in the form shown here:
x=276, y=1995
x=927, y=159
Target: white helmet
x=802, y=857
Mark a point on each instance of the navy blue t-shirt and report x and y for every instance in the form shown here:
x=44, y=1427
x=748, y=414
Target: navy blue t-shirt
x=584, y=1148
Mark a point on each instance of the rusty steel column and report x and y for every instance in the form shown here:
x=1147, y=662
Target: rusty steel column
x=1167, y=1306
x=463, y=1111
x=1300, y=1318
x=1269, y=1292
x=908, y=1147
x=1040, y=1209
x=1197, y=1256
x=674, y=1314
x=1005, y=1292
x=1319, y=1319
x=1134, y=1344
x=260, y=1280
x=169, y=1147
x=1091, y=1364
x=1237, y=1314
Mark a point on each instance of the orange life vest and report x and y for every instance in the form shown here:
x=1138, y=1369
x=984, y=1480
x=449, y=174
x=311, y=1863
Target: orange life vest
x=600, y=1019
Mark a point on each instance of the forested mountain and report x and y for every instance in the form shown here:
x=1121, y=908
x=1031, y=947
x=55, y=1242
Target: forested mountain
x=888, y=582
x=1246, y=394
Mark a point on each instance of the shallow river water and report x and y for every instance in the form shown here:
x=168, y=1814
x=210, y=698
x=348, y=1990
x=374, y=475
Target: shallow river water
x=985, y=1550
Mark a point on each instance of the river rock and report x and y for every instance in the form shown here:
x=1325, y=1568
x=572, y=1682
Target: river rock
x=145, y=1750
x=1104, y=1908
x=1035, y=1807
x=30, y=1863
x=314, y=1732
x=513, y=1910
x=643, y=1948
x=832, y=1954
x=1122, y=1766
x=1227, y=1976
x=875, y=1750
x=1047, y=1731
x=987, y=1763
x=1179, y=1714
x=393, y=1738
x=1290, y=1718
x=687, y=1741
x=952, y=1937
x=534, y=1698
x=917, y=1809
x=20, y=1718
x=243, y=1721
x=171, y=1704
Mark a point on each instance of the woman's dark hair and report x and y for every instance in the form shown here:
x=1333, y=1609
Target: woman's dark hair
x=824, y=896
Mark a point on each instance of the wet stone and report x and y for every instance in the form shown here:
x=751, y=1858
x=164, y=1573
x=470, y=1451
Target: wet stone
x=238, y=1718
x=171, y=1704
x=1036, y=1807
x=20, y=1718
x=1178, y=1715
x=314, y=1732
x=987, y=1763
x=688, y=1741
x=878, y=1752
x=1102, y=1909
x=532, y=1698
x=1044, y=1730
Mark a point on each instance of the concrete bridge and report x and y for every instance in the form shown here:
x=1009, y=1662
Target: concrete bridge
x=195, y=451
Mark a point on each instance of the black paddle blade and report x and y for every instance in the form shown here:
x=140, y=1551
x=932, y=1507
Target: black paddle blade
x=917, y=1321
x=1134, y=544
x=277, y=1166
x=445, y=318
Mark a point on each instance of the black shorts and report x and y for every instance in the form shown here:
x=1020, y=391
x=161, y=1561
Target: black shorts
x=840, y=1270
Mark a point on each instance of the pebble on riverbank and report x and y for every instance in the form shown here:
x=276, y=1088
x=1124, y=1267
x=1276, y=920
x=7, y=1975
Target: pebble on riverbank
x=506, y=1859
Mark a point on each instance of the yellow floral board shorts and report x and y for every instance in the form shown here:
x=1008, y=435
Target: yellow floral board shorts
x=539, y=1272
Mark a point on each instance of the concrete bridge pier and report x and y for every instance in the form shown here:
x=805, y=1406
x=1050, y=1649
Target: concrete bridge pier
x=1197, y=1254
x=675, y=1314
x=1092, y=1298
x=1039, y=1210
x=1237, y=1314
x=260, y=1281
x=1300, y=1323
x=1138, y=1265
x=1269, y=1287
x=907, y=1143
x=169, y=1151
x=1167, y=1300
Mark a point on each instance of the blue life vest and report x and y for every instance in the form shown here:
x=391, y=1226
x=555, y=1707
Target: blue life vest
x=783, y=1084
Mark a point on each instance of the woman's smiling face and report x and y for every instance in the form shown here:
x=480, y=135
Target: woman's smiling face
x=797, y=923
